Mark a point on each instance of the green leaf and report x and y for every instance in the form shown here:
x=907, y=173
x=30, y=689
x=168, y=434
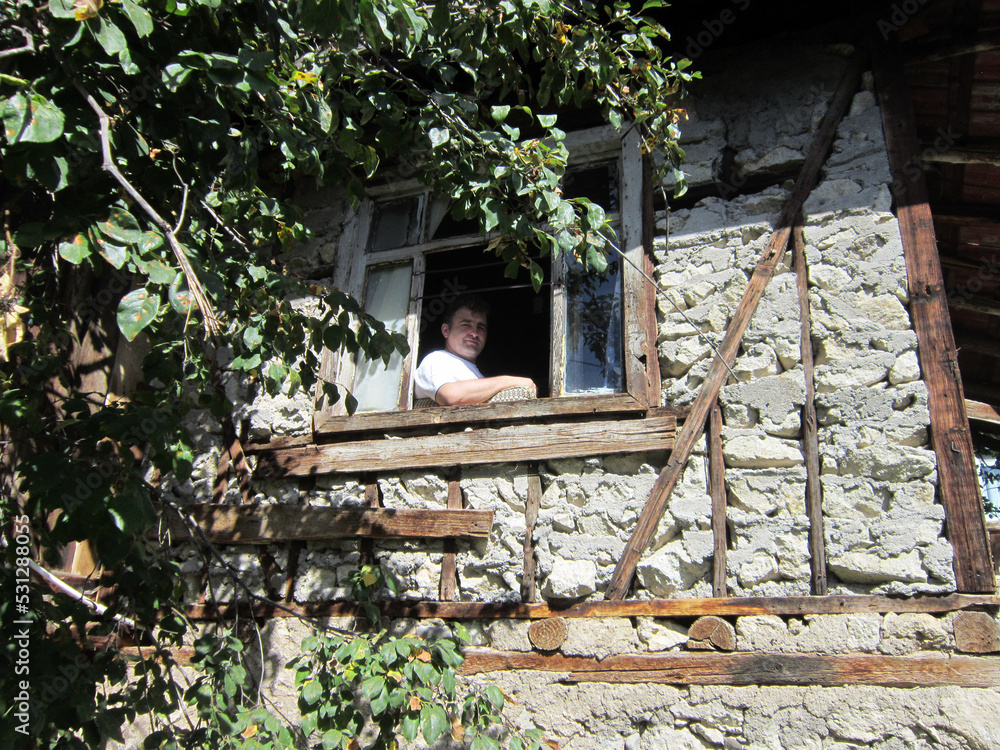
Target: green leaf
x=350, y=403
x=62, y=9
x=159, y=272
x=31, y=119
x=499, y=114
x=76, y=250
x=409, y=726
x=547, y=121
x=439, y=136
x=139, y=17
x=122, y=227
x=150, y=241
x=137, y=310
x=180, y=296
x=112, y=252
x=252, y=337
x=495, y=697
x=311, y=692
x=433, y=722
x=371, y=686
x=109, y=36
x=596, y=261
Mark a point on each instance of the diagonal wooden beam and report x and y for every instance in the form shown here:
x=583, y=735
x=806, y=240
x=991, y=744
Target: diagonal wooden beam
x=952, y=441
x=694, y=425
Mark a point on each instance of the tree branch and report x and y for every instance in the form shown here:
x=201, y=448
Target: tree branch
x=212, y=324
x=29, y=44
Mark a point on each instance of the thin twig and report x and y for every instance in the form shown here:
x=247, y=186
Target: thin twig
x=213, y=326
x=29, y=44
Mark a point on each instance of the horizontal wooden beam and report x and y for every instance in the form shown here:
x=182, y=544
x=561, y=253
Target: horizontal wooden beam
x=955, y=155
x=750, y=668
x=264, y=524
x=982, y=412
x=977, y=304
x=329, y=426
x=925, y=52
x=793, y=606
x=527, y=442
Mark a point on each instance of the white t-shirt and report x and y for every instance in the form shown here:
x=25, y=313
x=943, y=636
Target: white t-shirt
x=440, y=368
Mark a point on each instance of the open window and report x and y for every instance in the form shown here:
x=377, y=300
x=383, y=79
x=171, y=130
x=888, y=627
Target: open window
x=582, y=335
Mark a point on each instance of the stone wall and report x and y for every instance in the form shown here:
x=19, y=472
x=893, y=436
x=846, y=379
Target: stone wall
x=882, y=524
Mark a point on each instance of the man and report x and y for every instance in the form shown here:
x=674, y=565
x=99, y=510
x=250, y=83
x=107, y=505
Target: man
x=449, y=375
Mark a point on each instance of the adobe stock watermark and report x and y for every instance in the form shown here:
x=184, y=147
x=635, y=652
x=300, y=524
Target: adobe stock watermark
x=712, y=29
x=22, y=636
x=914, y=168
x=968, y=289
x=431, y=310
x=899, y=15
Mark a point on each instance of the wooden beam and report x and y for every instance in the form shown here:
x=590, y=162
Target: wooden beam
x=952, y=441
x=981, y=412
x=719, y=369
x=750, y=668
x=782, y=606
x=956, y=155
x=528, y=442
x=532, y=506
x=461, y=415
x=935, y=51
x=265, y=524
x=810, y=429
x=975, y=303
x=449, y=563
x=988, y=346
x=717, y=490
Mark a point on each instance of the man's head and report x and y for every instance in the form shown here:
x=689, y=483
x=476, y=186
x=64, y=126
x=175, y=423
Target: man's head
x=465, y=325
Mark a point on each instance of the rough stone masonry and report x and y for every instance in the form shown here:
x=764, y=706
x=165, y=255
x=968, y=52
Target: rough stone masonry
x=882, y=525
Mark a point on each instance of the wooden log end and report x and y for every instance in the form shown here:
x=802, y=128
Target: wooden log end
x=712, y=632
x=548, y=634
x=976, y=633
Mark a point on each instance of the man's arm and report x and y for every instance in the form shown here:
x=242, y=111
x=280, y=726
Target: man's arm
x=477, y=391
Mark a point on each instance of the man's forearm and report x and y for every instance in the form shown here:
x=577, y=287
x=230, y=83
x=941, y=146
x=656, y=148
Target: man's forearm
x=477, y=391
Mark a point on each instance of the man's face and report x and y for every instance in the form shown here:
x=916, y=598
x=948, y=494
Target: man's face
x=466, y=336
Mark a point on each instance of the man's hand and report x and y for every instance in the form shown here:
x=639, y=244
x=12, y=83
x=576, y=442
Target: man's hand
x=477, y=391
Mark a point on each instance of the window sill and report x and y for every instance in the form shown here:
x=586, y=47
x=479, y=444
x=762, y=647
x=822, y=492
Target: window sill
x=331, y=428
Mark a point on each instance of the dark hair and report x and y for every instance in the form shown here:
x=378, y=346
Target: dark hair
x=473, y=302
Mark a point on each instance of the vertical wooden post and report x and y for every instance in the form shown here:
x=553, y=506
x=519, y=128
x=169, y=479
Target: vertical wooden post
x=292, y=568
x=373, y=499
x=810, y=430
x=718, y=371
x=950, y=434
x=717, y=489
x=449, y=571
x=530, y=518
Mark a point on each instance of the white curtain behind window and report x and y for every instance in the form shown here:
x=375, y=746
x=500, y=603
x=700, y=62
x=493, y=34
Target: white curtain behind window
x=387, y=298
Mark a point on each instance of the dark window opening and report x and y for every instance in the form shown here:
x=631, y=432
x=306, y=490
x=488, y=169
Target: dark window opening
x=519, y=337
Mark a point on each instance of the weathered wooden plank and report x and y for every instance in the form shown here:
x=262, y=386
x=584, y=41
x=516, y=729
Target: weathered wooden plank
x=530, y=517
x=735, y=606
x=527, y=442
x=719, y=369
x=231, y=524
x=751, y=668
x=810, y=429
x=982, y=412
x=327, y=426
x=633, y=296
x=951, y=438
x=717, y=489
x=449, y=563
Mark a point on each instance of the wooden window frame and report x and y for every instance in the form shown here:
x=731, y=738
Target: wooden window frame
x=641, y=371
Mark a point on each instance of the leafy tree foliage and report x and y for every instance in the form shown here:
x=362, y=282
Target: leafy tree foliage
x=152, y=153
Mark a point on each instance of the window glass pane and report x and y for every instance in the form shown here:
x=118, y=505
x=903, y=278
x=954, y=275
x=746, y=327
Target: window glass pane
x=598, y=182
x=387, y=298
x=395, y=224
x=594, y=350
